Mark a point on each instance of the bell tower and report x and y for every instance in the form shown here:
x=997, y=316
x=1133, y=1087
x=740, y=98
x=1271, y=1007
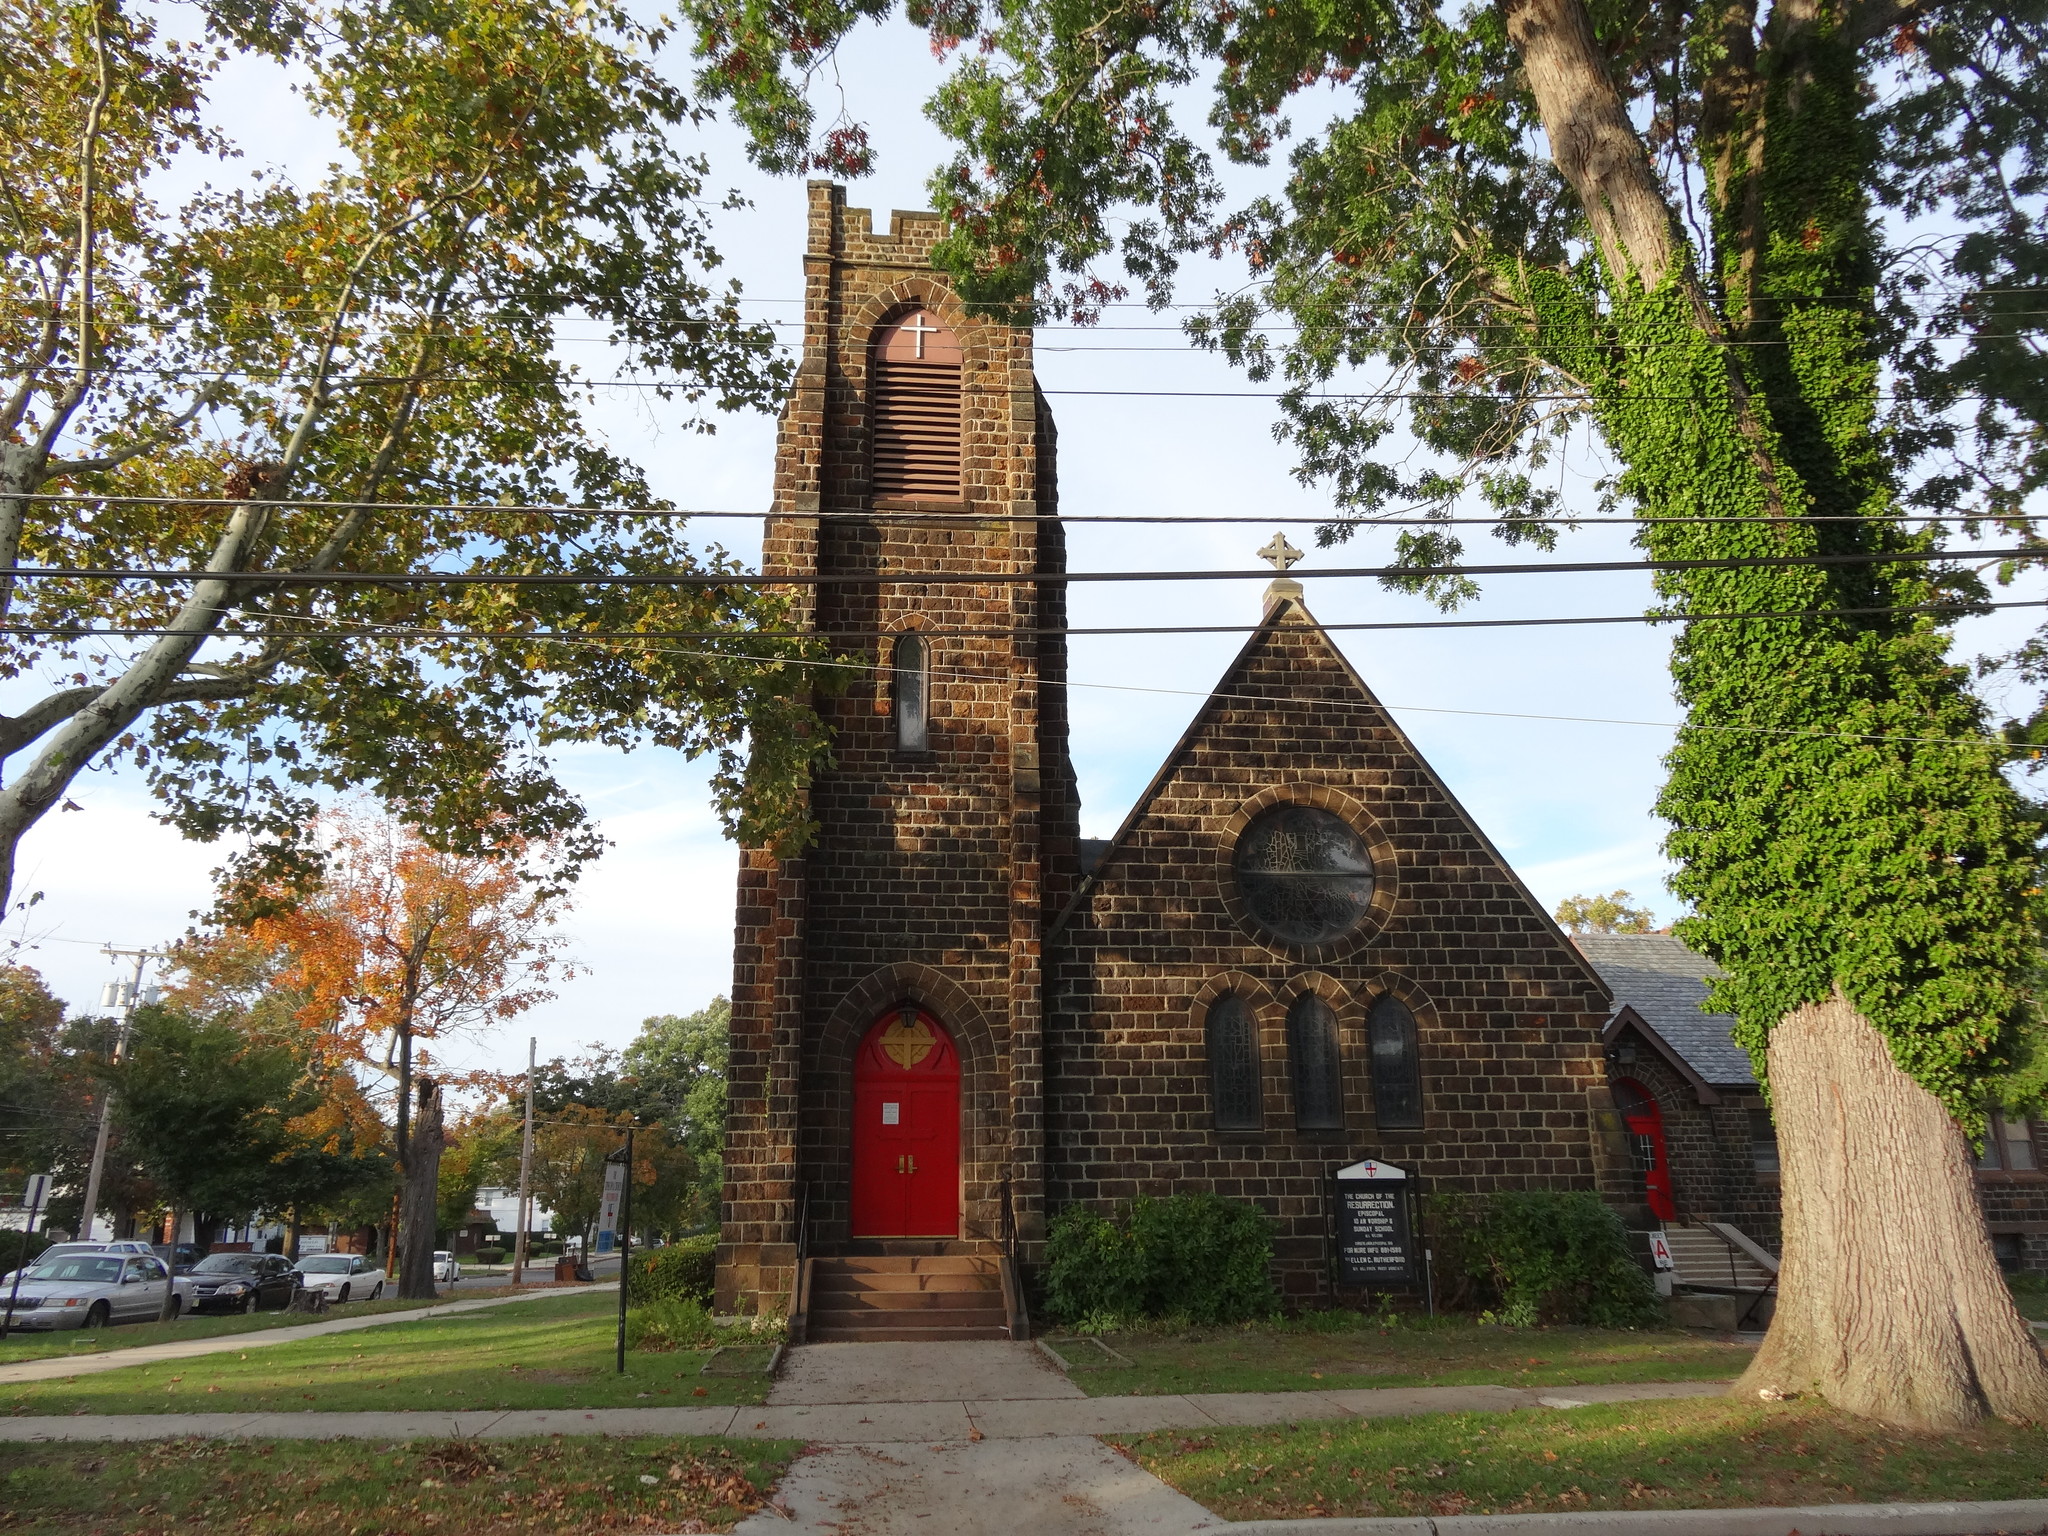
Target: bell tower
x=915, y=493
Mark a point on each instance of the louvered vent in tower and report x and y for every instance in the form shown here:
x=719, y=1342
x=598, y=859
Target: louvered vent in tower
x=915, y=409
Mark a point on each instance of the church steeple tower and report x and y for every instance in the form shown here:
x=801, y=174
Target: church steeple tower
x=915, y=481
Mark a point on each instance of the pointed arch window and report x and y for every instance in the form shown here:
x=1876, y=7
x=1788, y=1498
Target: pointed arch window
x=1396, y=1066
x=1234, y=1064
x=914, y=409
x=911, y=680
x=1318, y=1067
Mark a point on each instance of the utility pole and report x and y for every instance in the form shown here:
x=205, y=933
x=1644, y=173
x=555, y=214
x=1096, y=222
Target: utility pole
x=122, y=995
x=525, y=1168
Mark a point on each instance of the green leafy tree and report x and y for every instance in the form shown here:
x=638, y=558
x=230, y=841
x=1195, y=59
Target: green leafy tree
x=1603, y=914
x=47, y=1102
x=208, y=1111
x=1787, y=264
x=302, y=355
x=679, y=1062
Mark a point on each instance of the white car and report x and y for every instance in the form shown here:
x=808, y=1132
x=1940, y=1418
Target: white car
x=342, y=1276
x=445, y=1267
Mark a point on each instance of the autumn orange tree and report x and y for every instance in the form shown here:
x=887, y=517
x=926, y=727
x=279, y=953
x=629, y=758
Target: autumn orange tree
x=397, y=944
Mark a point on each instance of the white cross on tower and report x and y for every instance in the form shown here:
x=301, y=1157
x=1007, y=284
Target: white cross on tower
x=920, y=330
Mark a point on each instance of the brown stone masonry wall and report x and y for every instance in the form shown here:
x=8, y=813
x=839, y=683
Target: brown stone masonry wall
x=925, y=880
x=1507, y=1013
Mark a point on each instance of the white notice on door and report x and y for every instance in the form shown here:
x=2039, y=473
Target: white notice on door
x=892, y=1114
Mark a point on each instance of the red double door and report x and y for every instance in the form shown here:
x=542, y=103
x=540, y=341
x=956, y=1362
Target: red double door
x=906, y=1129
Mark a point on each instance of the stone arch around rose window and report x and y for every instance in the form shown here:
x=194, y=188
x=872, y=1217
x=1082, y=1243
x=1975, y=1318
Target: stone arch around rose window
x=825, y=1134
x=1378, y=845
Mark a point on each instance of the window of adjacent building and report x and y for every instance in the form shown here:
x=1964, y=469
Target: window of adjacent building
x=914, y=409
x=1396, y=1066
x=1234, y=1064
x=1303, y=874
x=911, y=678
x=1318, y=1068
x=1763, y=1141
x=2009, y=1144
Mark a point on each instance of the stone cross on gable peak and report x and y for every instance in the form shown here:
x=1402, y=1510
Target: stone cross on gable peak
x=1283, y=588
x=1278, y=553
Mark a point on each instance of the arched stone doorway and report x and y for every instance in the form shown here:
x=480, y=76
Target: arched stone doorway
x=906, y=1128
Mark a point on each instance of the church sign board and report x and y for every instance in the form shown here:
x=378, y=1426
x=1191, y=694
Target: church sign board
x=1375, y=1239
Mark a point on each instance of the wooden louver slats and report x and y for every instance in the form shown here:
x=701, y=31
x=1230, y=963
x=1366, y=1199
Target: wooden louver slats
x=916, y=419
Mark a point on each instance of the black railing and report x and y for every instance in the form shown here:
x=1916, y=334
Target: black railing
x=803, y=1229
x=1006, y=1221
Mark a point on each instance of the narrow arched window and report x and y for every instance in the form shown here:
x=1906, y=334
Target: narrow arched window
x=1396, y=1066
x=1234, y=1064
x=1318, y=1069
x=911, y=679
x=914, y=409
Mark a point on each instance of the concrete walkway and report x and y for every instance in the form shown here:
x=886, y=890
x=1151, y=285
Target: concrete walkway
x=1015, y=1396
x=263, y=1338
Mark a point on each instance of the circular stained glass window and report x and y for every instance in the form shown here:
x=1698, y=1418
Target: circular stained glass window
x=1304, y=874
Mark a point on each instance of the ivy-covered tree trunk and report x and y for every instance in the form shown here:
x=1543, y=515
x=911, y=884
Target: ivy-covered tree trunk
x=1890, y=1301
x=1854, y=855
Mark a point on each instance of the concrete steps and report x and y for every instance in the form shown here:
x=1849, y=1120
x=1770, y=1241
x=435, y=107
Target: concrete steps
x=1701, y=1259
x=863, y=1298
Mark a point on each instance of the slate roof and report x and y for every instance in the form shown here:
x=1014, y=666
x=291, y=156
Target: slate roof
x=1655, y=974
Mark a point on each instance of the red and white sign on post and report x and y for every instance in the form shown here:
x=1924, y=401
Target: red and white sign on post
x=1660, y=1252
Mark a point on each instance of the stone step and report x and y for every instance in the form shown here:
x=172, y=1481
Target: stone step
x=1700, y=1257
x=837, y=1302
x=823, y=1281
x=910, y=1264
x=821, y=1332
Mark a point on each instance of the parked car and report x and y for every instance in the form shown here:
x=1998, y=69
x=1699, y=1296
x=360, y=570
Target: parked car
x=341, y=1276
x=188, y=1254
x=445, y=1267
x=54, y=1251
x=241, y=1282
x=90, y=1290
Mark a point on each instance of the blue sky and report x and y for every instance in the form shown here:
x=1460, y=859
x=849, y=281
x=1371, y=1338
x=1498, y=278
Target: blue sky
x=1509, y=717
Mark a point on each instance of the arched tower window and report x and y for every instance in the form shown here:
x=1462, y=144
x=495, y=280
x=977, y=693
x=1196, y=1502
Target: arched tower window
x=1318, y=1068
x=1234, y=1064
x=1396, y=1066
x=914, y=409
x=911, y=678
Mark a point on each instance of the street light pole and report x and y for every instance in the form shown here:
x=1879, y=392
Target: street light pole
x=127, y=997
x=525, y=1169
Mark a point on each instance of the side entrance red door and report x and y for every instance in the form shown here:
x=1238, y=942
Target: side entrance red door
x=1645, y=1122
x=906, y=1129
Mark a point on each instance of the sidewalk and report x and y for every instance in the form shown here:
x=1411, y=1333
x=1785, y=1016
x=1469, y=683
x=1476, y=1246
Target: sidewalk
x=854, y=1423
x=219, y=1344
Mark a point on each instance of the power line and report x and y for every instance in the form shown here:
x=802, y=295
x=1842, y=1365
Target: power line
x=983, y=579
x=342, y=631
x=954, y=519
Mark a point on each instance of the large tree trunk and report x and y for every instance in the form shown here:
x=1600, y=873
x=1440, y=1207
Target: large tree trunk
x=1890, y=1303
x=420, y=1201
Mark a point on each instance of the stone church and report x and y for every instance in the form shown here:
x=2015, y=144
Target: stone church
x=952, y=1016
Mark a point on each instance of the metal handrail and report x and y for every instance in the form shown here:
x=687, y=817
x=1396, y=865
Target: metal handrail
x=803, y=1226
x=1006, y=1221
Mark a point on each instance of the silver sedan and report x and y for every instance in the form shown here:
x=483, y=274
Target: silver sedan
x=90, y=1290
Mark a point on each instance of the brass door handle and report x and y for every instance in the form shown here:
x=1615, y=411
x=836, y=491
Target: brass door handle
x=899, y=1162
x=913, y=1162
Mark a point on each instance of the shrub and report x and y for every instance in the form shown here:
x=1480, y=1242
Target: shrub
x=672, y=1322
x=490, y=1256
x=1542, y=1256
x=1196, y=1256
x=681, y=1270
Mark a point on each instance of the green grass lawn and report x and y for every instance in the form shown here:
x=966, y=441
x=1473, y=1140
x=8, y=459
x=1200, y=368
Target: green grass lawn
x=551, y=1353
x=1692, y=1453
x=2030, y=1290
x=206, y=1325
x=358, y=1488
x=1322, y=1351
